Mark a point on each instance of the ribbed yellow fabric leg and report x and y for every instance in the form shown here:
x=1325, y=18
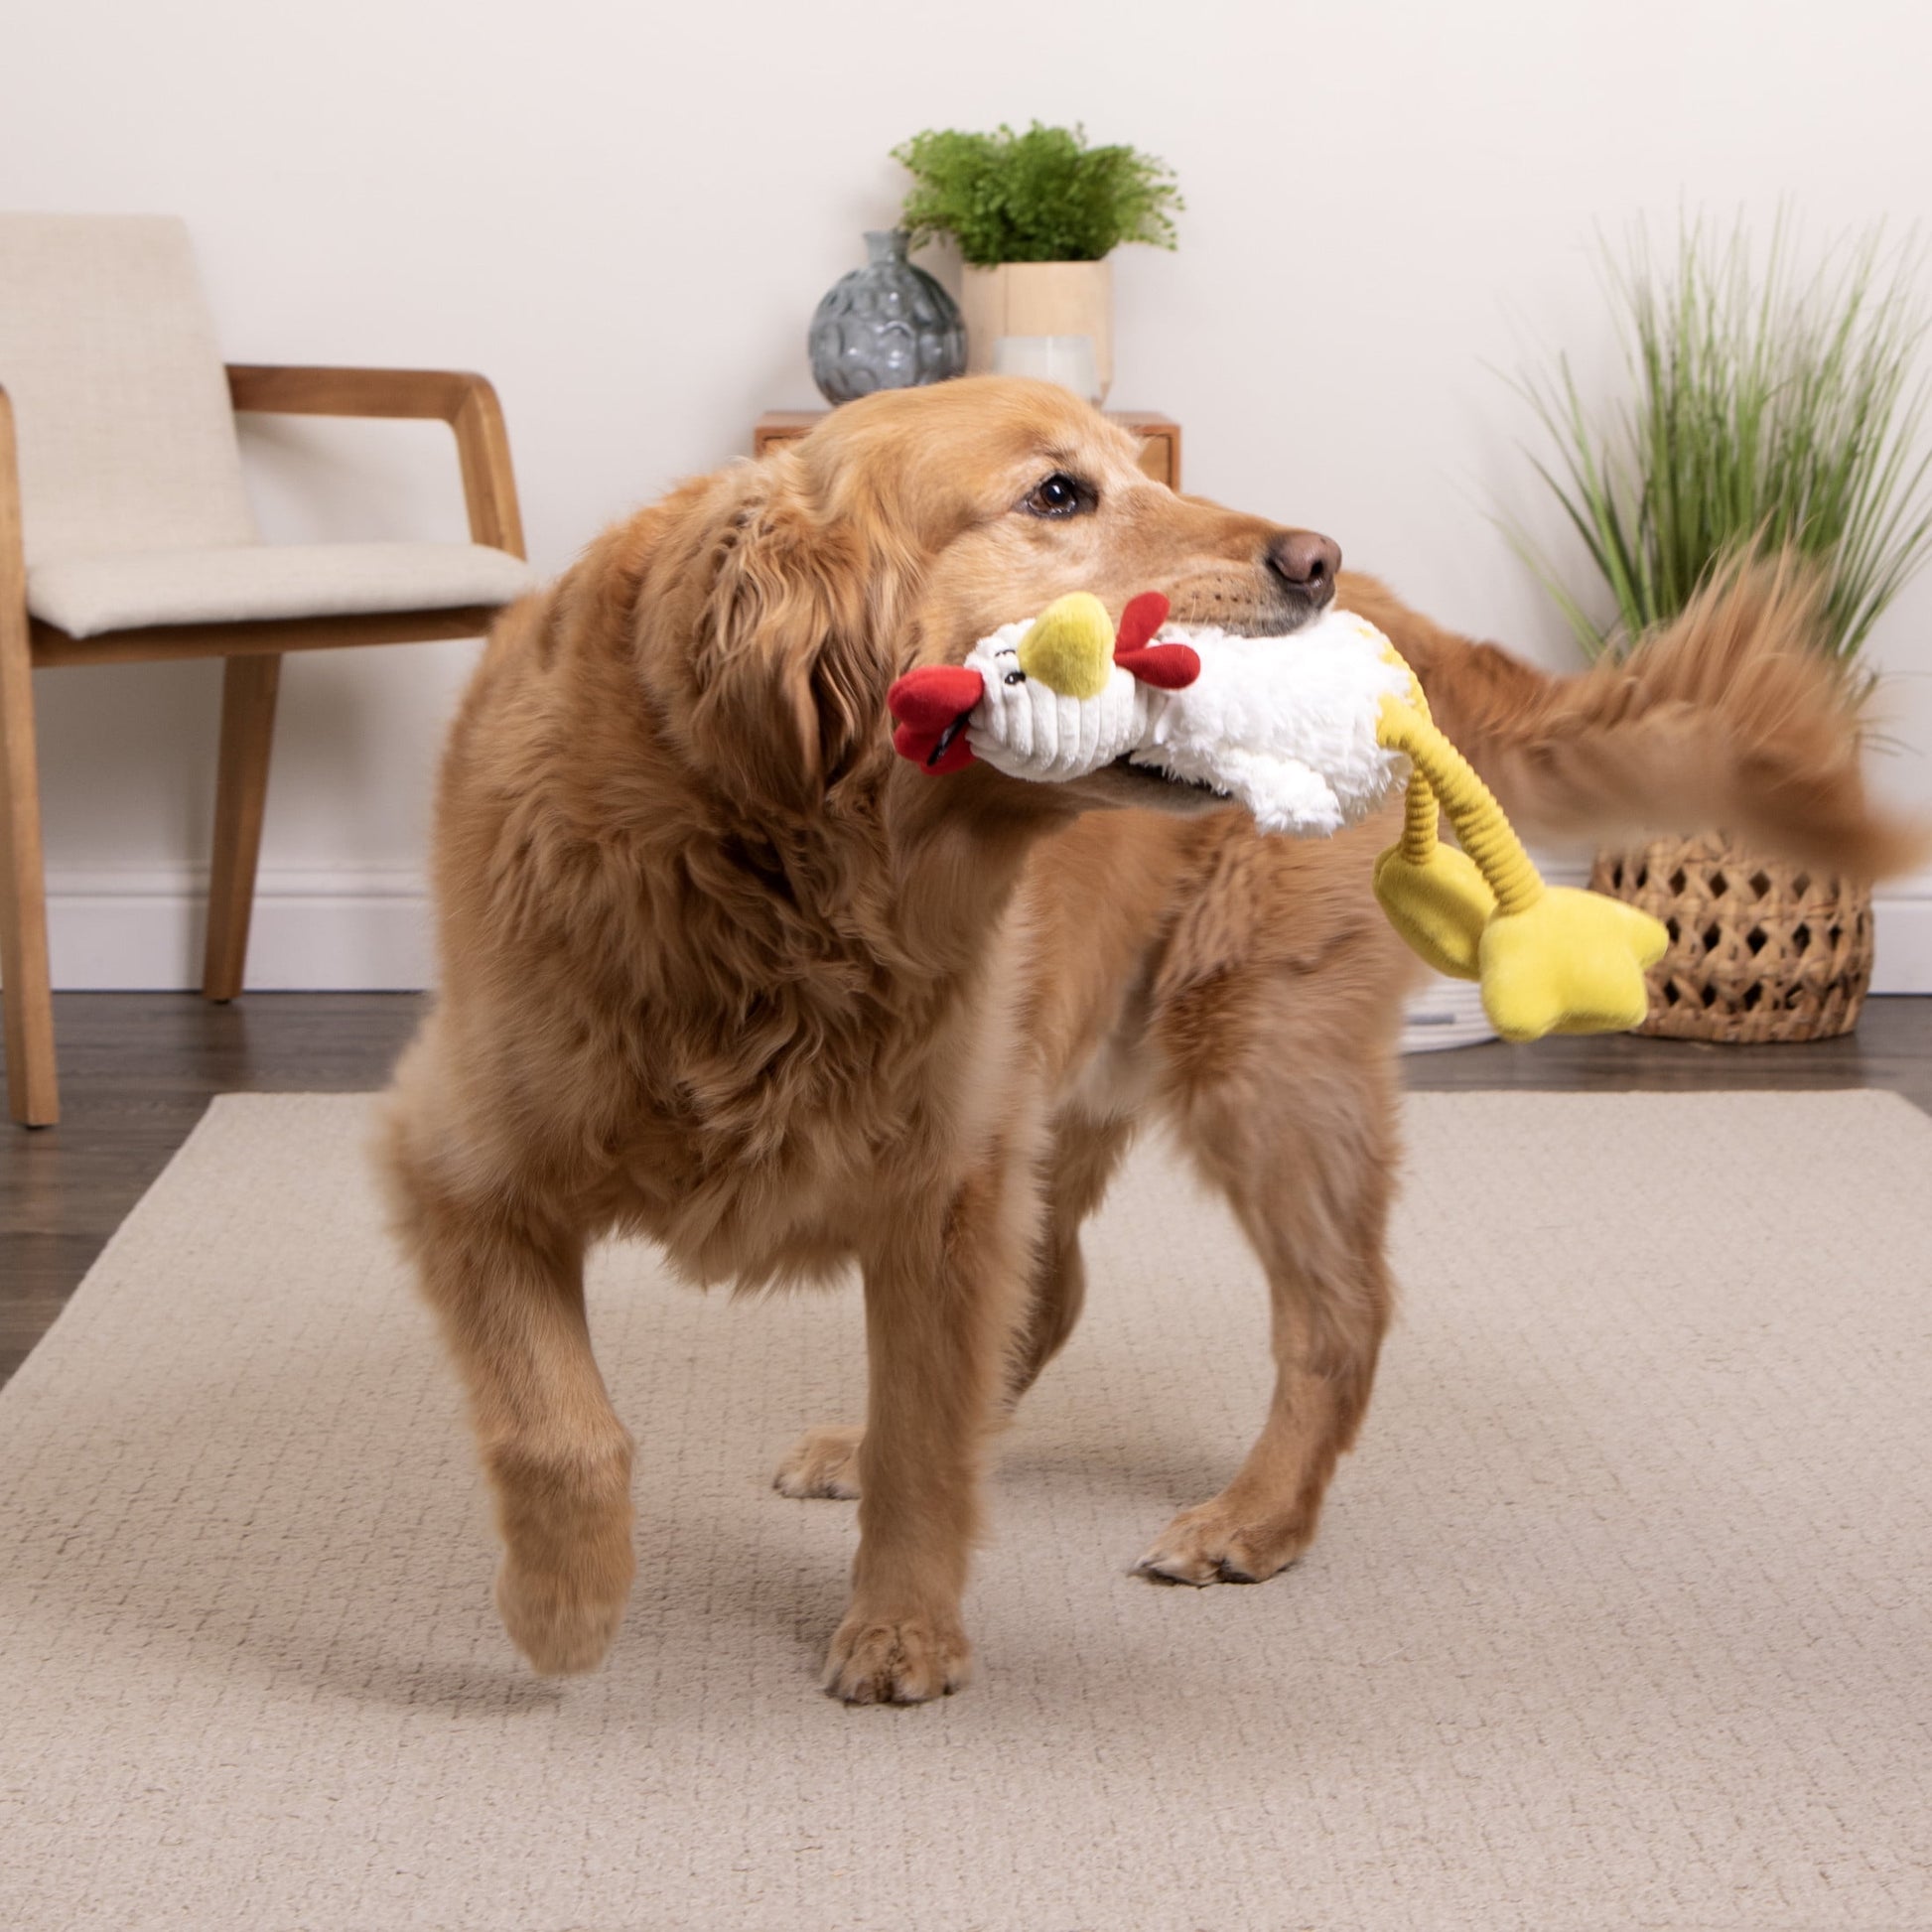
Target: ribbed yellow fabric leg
x=1435, y=896
x=1418, y=810
x=1419, y=805
x=1480, y=827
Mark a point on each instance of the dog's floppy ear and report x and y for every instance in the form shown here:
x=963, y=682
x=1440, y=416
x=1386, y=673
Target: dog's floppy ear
x=793, y=657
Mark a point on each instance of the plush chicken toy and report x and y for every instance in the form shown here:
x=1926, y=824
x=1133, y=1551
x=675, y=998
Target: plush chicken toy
x=1311, y=733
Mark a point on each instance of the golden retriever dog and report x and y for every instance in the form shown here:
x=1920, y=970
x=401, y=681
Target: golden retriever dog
x=720, y=969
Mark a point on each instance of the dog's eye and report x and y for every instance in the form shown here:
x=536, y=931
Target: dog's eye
x=1057, y=496
x=1014, y=677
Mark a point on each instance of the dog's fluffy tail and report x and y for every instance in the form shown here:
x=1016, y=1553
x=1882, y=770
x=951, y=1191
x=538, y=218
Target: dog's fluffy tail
x=1729, y=717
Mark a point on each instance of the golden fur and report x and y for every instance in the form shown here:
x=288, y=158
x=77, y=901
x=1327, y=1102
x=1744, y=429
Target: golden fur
x=721, y=970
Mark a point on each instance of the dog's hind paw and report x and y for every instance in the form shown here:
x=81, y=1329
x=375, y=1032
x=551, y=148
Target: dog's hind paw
x=1209, y=1545
x=823, y=1461
x=903, y=1661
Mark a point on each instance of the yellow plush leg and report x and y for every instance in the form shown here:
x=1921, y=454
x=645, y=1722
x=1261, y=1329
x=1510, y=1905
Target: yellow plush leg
x=1550, y=959
x=1432, y=894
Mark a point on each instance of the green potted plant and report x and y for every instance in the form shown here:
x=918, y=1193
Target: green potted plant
x=1035, y=216
x=1772, y=410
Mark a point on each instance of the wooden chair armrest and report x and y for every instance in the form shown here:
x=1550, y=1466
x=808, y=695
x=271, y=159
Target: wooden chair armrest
x=465, y=402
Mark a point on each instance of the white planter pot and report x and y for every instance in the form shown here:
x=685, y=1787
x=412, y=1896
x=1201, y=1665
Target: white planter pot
x=1038, y=298
x=1444, y=1012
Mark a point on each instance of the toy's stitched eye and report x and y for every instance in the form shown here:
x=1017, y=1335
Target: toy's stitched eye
x=1058, y=495
x=1014, y=677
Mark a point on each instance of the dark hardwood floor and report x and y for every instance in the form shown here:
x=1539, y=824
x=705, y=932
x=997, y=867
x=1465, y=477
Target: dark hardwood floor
x=138, y=1069
x=137, y=1072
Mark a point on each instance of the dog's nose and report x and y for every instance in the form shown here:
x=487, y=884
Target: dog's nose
x=1305, y=562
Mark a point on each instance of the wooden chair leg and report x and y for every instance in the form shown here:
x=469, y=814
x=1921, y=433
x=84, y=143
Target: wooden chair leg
x=248, y=688
x=32, y=1093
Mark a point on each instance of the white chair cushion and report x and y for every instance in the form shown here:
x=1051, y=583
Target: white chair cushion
x=85, y=595
x=107, y=353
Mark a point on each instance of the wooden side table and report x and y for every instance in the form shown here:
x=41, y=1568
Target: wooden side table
x=1159, y=437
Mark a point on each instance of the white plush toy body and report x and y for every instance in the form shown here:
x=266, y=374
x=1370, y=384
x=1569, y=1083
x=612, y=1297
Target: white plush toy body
x=1284, y=725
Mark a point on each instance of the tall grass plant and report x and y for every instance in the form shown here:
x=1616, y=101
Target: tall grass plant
x=1773, y=407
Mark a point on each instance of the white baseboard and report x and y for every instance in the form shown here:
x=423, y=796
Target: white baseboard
x=1444, y=1012
x=366, y=930
x=369, y=930
x=1904, y=959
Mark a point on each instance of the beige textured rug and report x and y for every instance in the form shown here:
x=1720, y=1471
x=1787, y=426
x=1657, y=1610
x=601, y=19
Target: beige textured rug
x=1620, y=1619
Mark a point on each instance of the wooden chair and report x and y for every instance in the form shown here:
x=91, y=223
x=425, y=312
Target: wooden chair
x=125, y=535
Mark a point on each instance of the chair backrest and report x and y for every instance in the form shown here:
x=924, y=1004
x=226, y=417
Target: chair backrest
x=107, y=353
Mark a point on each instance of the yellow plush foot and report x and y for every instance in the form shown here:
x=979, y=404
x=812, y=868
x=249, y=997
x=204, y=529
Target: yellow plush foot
x=1572, y=963
x=1439, y=905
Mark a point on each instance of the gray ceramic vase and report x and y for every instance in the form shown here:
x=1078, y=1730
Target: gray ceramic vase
x=886, y=325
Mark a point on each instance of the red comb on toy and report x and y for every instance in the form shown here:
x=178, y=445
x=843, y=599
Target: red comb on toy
x=1167, y=667
x=1144, y=615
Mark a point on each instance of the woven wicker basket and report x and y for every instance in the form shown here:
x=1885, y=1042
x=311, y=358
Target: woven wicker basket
x=1760, y=951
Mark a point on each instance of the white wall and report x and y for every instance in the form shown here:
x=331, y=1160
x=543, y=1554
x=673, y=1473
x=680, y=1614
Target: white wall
x=624, y=212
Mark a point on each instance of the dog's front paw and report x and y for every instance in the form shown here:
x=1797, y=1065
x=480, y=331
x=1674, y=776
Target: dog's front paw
x=902, y=1660
x=1210, y=1543
x=562, y=1622
x=822, y=1462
